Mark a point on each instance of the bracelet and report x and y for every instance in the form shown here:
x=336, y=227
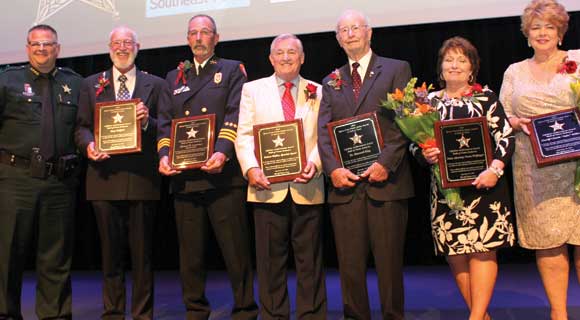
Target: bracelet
x=497, y=171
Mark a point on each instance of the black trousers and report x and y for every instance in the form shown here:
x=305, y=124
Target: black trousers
x=119, y=223
x=35, y=213
x=280, y=226
x=360, y=227
x=225, y=211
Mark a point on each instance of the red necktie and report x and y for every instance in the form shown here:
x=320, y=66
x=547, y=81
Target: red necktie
x=288, y=103
x=356, y=80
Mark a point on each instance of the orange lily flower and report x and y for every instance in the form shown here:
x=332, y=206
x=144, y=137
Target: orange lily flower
x=398, y=95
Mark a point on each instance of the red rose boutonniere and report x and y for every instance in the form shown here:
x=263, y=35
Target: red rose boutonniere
x=336, y=81
x=102, y=83
x=310, y=92
x=473, y=90
x=182, y=68
x=568, y=67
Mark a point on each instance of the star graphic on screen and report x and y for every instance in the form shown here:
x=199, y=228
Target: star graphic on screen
x=118, y=118
x=463, y=141
x=47, y=8
x=279, y=141
x=191, y=133
x=356, y=139
x=557, y=126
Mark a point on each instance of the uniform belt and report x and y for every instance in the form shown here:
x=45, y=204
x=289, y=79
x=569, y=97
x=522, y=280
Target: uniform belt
x=21, y=162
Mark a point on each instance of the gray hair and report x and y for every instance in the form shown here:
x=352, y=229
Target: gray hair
x=124, y=27
x=285, y=36
x=352, y=12
x=204, y=16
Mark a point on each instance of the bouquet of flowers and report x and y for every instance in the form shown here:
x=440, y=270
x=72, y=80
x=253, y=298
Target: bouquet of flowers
x=416, y=117
x=570, y=67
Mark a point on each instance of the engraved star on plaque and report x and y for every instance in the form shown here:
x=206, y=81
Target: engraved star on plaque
x=463, y=142
x=118, y=118
x=356, y=138
x=557, y=126
x=191, y=133
x=279, y=141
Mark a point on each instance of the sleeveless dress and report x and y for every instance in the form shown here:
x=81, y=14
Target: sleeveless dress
x=486, y=221
x=547, y=209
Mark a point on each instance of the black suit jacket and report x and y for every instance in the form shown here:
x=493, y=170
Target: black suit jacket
x=383, y=76
x=217, y=89
x=123, y=177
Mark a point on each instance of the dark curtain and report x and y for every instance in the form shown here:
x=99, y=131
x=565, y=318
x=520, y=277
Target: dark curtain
x=499, y=41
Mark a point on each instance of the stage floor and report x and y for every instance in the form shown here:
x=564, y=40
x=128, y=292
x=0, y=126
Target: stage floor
x=430, y=294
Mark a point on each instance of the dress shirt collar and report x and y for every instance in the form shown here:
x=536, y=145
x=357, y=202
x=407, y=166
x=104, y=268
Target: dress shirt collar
x=364, y=64
x=282, y=88
x=131, y=78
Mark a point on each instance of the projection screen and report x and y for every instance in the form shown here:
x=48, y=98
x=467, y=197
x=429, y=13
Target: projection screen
x=84, y=25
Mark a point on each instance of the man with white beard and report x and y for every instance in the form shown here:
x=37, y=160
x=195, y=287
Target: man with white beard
x=124, y=189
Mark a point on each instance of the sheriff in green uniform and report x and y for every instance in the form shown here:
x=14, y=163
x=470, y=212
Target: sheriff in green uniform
x=38, y=106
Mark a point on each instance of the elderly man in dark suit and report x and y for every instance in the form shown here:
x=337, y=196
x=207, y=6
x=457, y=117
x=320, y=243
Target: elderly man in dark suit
x=368, y=211
x=124, y=189
x=215, y=193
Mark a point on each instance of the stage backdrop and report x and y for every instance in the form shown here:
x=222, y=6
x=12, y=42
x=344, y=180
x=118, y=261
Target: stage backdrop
x=83, y=24
x=499, y=41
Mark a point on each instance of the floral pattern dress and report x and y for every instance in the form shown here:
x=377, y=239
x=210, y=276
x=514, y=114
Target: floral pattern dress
x=486, y=221
x=547, y=210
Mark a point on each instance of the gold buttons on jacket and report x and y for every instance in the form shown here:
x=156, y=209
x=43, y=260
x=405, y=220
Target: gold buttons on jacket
x=186, y=112
x=203, y=109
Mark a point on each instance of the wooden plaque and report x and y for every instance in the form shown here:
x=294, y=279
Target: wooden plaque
x=192, y=141
x=280, y=149
x=465, y=150
x=357, y=142
x=117, y=130
x=555, y=136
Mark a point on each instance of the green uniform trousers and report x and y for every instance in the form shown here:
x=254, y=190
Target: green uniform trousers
x=35, y=214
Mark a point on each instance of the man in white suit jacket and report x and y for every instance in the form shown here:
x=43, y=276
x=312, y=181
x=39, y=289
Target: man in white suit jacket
x=285, y=213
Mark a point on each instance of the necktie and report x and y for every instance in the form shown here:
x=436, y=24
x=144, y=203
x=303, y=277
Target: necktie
x=288, y=103
x=47, y=141
x=123, y=93
x=356, y=80
x=199, y=68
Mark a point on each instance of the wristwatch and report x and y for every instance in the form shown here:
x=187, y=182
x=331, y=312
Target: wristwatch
x=497, y=171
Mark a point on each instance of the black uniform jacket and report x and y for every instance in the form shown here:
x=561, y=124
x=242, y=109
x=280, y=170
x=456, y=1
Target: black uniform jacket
x=217, y=91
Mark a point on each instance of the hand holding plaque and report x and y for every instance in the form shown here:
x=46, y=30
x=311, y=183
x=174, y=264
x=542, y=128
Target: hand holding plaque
x=280, y=149
x=555, y=136
x=117, y=130
x=357, y=141
x=192, y=141
x=465, y=150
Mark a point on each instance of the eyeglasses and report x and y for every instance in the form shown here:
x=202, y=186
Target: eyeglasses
x=204, y=32
x=41, y=44
x=118, y=43
x=355, y=28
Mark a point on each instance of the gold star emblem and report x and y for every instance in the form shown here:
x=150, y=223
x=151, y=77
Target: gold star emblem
x=66, y=89
x=356, y=139
x=463, y=141
x=279, y=141
x=191, y=133
x=118, y=118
